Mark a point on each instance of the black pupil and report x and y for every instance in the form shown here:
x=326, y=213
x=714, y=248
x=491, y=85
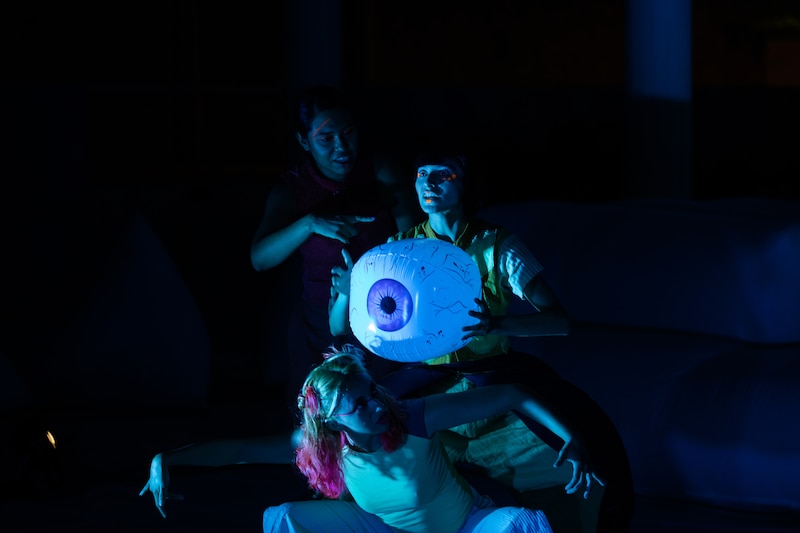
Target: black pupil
x=388, y=305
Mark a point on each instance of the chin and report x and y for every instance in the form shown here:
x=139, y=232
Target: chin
x=337, y=173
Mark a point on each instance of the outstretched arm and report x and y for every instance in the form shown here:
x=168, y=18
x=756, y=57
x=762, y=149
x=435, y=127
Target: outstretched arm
x=521, y=272
x=548, y=318
x=274, y=449
x=278, y=235
x=446, y=410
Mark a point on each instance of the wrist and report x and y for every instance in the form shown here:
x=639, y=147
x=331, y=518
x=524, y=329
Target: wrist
x=309, y=223
x=494, y=325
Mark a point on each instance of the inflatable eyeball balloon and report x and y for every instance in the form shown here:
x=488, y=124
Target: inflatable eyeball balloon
x=410, y=298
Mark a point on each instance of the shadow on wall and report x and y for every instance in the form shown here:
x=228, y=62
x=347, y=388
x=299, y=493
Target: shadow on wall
x=136, y=341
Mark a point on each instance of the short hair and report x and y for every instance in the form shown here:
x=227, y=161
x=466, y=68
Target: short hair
x=456, y=160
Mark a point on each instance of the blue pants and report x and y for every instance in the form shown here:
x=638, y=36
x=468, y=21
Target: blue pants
x=337, y=516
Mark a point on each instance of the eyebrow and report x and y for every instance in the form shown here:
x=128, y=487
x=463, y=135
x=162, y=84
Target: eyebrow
x=316, y=131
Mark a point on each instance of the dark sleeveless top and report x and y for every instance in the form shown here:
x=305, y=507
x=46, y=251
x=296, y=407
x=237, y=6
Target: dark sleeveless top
x=358, y=195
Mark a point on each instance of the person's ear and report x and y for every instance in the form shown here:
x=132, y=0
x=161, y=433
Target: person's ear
x=302, y=140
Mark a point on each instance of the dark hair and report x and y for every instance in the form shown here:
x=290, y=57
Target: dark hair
x=445, y=159
x=313, y=100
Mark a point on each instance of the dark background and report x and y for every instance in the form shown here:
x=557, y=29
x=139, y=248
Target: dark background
x=138, y=143
x=178, y=111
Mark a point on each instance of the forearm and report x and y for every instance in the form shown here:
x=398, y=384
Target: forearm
x=212, y=453
x=546, y=323
x=446, y=410
x=533, y=408
x=273, y=249
x=338, y=319
x=218, y=453
x=275, y=449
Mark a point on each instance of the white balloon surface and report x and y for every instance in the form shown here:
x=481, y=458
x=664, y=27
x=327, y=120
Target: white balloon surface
x=410, y=298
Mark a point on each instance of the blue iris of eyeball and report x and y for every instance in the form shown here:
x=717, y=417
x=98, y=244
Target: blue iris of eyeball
x=410, y=299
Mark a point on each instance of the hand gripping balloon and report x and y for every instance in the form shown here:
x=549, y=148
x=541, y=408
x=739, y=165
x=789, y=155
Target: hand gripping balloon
x=410, y=298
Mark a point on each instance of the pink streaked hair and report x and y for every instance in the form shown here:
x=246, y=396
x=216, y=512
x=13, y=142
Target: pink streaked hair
x=319, y=455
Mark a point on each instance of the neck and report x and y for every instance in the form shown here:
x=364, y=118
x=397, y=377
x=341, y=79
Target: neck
x=339, y=178
x=448, y=224
x=363, y=443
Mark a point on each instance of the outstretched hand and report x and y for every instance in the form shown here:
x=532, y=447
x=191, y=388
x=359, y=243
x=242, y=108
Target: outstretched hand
x=342, y=228
x=157, y=484
x=582, y=475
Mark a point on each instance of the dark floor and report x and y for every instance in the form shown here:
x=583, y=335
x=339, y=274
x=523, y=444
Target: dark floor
x=656, y=516
x=232, y=500
x=96, y=490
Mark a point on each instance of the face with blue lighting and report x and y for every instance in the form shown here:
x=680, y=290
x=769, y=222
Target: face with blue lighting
x=438, y=188
x=333, y=142
x=360, y=409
